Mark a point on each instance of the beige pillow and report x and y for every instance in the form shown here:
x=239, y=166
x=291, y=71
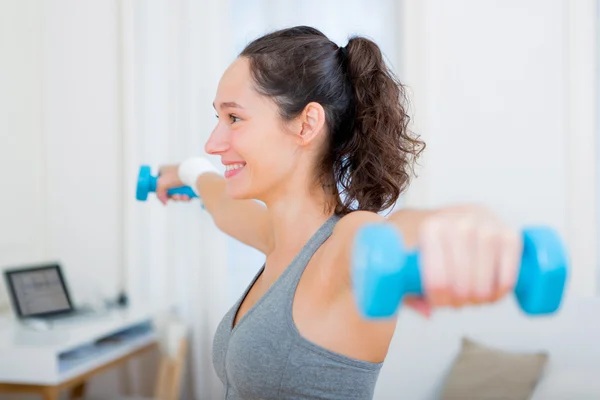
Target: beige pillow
x=481, y=372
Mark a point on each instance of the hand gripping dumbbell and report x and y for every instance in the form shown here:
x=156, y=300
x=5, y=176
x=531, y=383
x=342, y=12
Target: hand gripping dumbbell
x=147, y=183
x=383, y=271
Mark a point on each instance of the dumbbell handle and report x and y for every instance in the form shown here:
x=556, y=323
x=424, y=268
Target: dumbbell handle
x=539, y=288
x=147, y=184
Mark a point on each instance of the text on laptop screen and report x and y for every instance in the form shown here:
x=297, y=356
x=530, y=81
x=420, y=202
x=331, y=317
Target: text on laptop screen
x=39, y=291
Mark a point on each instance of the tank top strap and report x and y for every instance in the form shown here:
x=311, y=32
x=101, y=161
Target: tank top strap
x=311, y=247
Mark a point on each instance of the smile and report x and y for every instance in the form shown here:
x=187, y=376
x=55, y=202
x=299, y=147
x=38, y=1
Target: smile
x=232, y=167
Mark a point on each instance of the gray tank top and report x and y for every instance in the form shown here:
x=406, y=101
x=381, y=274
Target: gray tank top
x=265, y=357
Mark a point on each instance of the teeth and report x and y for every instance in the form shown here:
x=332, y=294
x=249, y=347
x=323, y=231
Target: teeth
x=233, y=166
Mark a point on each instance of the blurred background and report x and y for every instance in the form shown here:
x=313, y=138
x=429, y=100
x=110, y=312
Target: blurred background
x=504, y=93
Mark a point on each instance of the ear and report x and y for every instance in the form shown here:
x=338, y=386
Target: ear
x=312, y=122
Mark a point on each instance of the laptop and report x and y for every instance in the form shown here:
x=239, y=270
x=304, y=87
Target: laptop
x=41, y=292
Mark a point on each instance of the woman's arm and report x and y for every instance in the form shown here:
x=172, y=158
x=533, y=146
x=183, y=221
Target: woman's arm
x=344, y=233
x=244, y=220
x=468, y=256
x=407, y=221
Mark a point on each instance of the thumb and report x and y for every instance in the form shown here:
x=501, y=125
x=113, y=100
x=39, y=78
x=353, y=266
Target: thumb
x=161, y=191
x=162, y=196
x=418, y=304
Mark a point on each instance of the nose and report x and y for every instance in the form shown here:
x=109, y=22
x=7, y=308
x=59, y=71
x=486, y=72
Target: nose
x=218, y=142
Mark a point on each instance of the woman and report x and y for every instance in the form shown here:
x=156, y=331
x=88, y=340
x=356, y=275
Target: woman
x=318, y=133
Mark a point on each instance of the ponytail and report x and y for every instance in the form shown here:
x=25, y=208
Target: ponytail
x=374, y=158
x=368, y=158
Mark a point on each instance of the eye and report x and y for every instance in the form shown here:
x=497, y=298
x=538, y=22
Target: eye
x=233, y=118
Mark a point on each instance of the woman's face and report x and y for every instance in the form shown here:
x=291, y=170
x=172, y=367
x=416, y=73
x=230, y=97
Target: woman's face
x=258, y=150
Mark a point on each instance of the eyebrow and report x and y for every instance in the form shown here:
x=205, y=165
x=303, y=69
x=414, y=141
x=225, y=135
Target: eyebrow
x=229, y=104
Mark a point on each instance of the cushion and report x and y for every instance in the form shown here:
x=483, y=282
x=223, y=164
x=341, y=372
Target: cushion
x=481, y=372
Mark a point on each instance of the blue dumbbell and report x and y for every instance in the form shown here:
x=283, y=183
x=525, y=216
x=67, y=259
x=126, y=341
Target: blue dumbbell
x=383, y=271
x=147, y=183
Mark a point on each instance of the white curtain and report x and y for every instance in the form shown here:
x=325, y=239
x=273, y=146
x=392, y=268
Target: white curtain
x=338, y=19
x=173, y=54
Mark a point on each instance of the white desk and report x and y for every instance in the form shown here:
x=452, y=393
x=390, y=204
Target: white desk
x=63, y=357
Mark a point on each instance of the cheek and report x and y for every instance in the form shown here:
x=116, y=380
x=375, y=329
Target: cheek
x=254, y=141
x=276, y=154
x=266, y=148
x=248, y=146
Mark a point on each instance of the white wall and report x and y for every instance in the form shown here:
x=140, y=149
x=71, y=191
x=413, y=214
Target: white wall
x=504, y=97
x=500, y=77
x=88, y=92
x=173, y=55
x=81, y=96
x=60, y=145
x=23, y=225
x=60, y=141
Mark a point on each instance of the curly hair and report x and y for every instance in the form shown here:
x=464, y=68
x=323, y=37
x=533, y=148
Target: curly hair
x=369, y=153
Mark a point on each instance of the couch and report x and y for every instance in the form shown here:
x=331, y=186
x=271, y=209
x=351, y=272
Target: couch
x=423, y=352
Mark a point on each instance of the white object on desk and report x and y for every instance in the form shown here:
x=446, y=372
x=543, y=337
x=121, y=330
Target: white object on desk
x=50, y=357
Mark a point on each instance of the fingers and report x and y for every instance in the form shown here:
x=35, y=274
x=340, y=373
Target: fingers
x=485, y=266
x=460, y=243
x=164, y=197
x=419, y=305
x=161, y=188
x=168, y=178
x=161, y=194
x=434, y=268
x=511, y=248
x=468, y=258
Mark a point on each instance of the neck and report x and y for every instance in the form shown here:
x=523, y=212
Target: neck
x=295, y=218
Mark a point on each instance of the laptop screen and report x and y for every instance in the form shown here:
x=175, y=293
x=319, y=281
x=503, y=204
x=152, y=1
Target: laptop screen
x=38, y=291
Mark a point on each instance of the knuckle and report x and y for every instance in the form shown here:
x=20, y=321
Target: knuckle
x=487, y=236
x=482, y=294
x=512, y=238
x=462, y=292
x=465, y=228
x=432, y=226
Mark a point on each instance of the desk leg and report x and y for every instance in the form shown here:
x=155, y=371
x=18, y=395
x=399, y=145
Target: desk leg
x=78, y=391
x=51, y=393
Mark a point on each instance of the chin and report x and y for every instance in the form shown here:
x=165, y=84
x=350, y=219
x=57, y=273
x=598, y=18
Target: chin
x=238, y=192
x=246, y=192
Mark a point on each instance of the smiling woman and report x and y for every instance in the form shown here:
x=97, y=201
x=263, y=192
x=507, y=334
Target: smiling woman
x=324, y=101
x=318, y=133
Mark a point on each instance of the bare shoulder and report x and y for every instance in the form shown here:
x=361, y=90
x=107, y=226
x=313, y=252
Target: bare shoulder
x=350, y=223
x=373, y=337
x=342, y=240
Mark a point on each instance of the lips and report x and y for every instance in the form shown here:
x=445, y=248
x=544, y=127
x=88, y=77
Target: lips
x=232, y=169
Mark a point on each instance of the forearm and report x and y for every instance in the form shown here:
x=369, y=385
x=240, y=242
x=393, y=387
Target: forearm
x=408, y=222
x=211, y=190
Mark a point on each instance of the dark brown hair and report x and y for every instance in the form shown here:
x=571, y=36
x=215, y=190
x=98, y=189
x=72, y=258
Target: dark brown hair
x=369, y=151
